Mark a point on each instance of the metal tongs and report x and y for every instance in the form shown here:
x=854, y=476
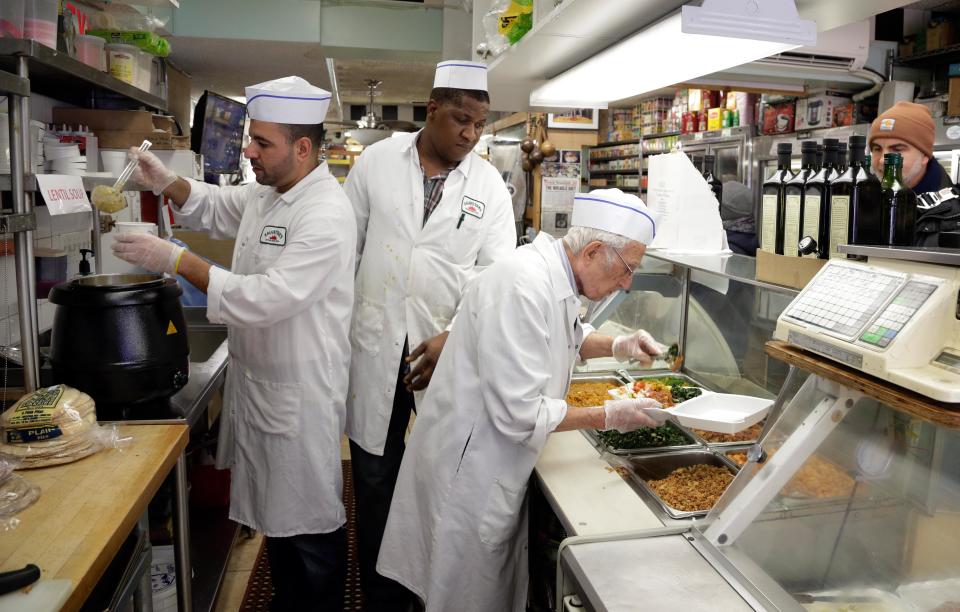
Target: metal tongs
x=673, y=357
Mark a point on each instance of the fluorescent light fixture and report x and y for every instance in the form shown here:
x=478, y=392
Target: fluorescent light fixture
x=655, y=57
x=768, y=20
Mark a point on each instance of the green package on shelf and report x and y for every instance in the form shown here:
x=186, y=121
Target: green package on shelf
x=146, y=41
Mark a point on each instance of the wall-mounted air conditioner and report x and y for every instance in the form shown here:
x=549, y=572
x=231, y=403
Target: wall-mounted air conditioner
x=844, y=48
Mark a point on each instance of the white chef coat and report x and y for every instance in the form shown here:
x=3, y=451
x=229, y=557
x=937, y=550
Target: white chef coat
x=411, y=276
x=287, y=305
x=456, y=534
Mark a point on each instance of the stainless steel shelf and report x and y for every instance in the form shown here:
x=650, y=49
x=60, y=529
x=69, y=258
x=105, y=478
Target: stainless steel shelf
x=61, y=77
x=12, y=84
x=89, y=183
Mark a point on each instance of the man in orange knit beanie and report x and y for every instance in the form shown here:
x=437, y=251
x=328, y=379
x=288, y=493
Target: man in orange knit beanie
x=908, y=129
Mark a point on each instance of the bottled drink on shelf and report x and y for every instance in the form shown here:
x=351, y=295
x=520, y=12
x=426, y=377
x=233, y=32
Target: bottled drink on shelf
x=855, y=209
x=816, y=196
x=899, y=204
x=793, y=198
x=709, y=164
x=772, y=202
x=819, y=163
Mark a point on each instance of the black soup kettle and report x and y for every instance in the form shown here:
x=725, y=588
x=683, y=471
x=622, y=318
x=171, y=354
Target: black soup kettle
x=121, y=338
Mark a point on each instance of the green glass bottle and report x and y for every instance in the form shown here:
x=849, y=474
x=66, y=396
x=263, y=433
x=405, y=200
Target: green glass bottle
x=899, y=204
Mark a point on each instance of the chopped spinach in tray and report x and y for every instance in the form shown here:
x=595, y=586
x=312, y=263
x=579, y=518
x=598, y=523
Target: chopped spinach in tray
x=667, y=435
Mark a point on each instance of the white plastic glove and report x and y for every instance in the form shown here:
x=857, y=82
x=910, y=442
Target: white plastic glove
x=150, y=172
x=628, y=414
x=638, y=346
x=148, y=252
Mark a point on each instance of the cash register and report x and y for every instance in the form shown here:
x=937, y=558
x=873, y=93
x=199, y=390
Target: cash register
x=895, y=316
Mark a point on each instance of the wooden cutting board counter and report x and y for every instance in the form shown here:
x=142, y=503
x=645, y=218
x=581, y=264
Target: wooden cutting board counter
x=87, y=508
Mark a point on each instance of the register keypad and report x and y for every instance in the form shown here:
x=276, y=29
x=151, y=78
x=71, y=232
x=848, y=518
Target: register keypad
x=896, y=315
x=844, y=299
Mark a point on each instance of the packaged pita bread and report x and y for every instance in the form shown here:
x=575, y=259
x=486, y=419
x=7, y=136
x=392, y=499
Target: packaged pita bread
x=53, y=426
x=47, y=414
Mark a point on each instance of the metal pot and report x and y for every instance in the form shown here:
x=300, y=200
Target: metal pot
x=121, y=338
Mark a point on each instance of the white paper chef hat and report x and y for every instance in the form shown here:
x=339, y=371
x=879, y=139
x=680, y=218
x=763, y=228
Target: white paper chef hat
x=616, y=212
x=289, y=100
x=461, y=74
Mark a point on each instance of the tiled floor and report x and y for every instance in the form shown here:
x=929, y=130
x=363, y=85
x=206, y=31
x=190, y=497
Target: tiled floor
x=242, y=560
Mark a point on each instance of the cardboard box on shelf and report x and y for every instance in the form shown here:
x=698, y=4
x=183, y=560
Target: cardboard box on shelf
x=793, y=272
x=908, y=47
x=940, y=34
x=778, y=118
x=816, y=110
x=118, y=129
x=953, y=100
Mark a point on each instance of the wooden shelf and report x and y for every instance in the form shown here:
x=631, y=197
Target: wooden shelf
x=614, y=143
x=612, y=172
x=898, y=398
x=614, y=157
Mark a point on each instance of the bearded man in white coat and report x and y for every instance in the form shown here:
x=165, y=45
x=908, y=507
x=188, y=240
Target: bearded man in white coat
x=430, y=215
x=286, y=301
x=456, y=533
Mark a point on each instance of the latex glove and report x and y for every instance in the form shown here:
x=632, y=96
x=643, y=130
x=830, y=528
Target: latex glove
x=150, y=172
x=638, y=346
x=148, y=252
x=628, y=414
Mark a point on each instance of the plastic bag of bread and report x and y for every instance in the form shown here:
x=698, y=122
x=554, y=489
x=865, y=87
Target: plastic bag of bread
x=52, y=426
x=16, y=493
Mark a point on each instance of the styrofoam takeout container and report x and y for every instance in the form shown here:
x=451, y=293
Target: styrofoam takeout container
x=721, y=412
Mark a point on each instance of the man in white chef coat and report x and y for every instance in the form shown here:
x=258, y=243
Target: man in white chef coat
x=430, y=214
x=456, y=535
x=287, y=302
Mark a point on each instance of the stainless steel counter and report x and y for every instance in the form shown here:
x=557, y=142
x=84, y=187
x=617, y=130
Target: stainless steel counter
x=654, y=573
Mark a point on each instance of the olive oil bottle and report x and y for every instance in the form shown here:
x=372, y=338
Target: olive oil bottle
x=772, y=202
x=793, y=198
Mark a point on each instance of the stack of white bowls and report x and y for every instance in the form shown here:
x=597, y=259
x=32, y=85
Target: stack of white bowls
x=64, y=157
x=37, y=133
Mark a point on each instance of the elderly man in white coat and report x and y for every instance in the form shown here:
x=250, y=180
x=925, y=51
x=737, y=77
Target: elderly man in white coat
x=456, y=533
x=430, y=214
x=287, y=303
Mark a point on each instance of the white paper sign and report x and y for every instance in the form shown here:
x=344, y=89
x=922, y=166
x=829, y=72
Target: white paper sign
x=63, y=194
x=687, y=212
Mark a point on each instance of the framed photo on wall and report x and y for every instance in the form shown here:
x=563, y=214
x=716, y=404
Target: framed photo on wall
x=574, y=119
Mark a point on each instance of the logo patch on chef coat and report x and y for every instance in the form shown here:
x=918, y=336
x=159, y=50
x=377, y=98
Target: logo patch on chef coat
x=472, y=207
x=274, y=235
x=886, y=125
